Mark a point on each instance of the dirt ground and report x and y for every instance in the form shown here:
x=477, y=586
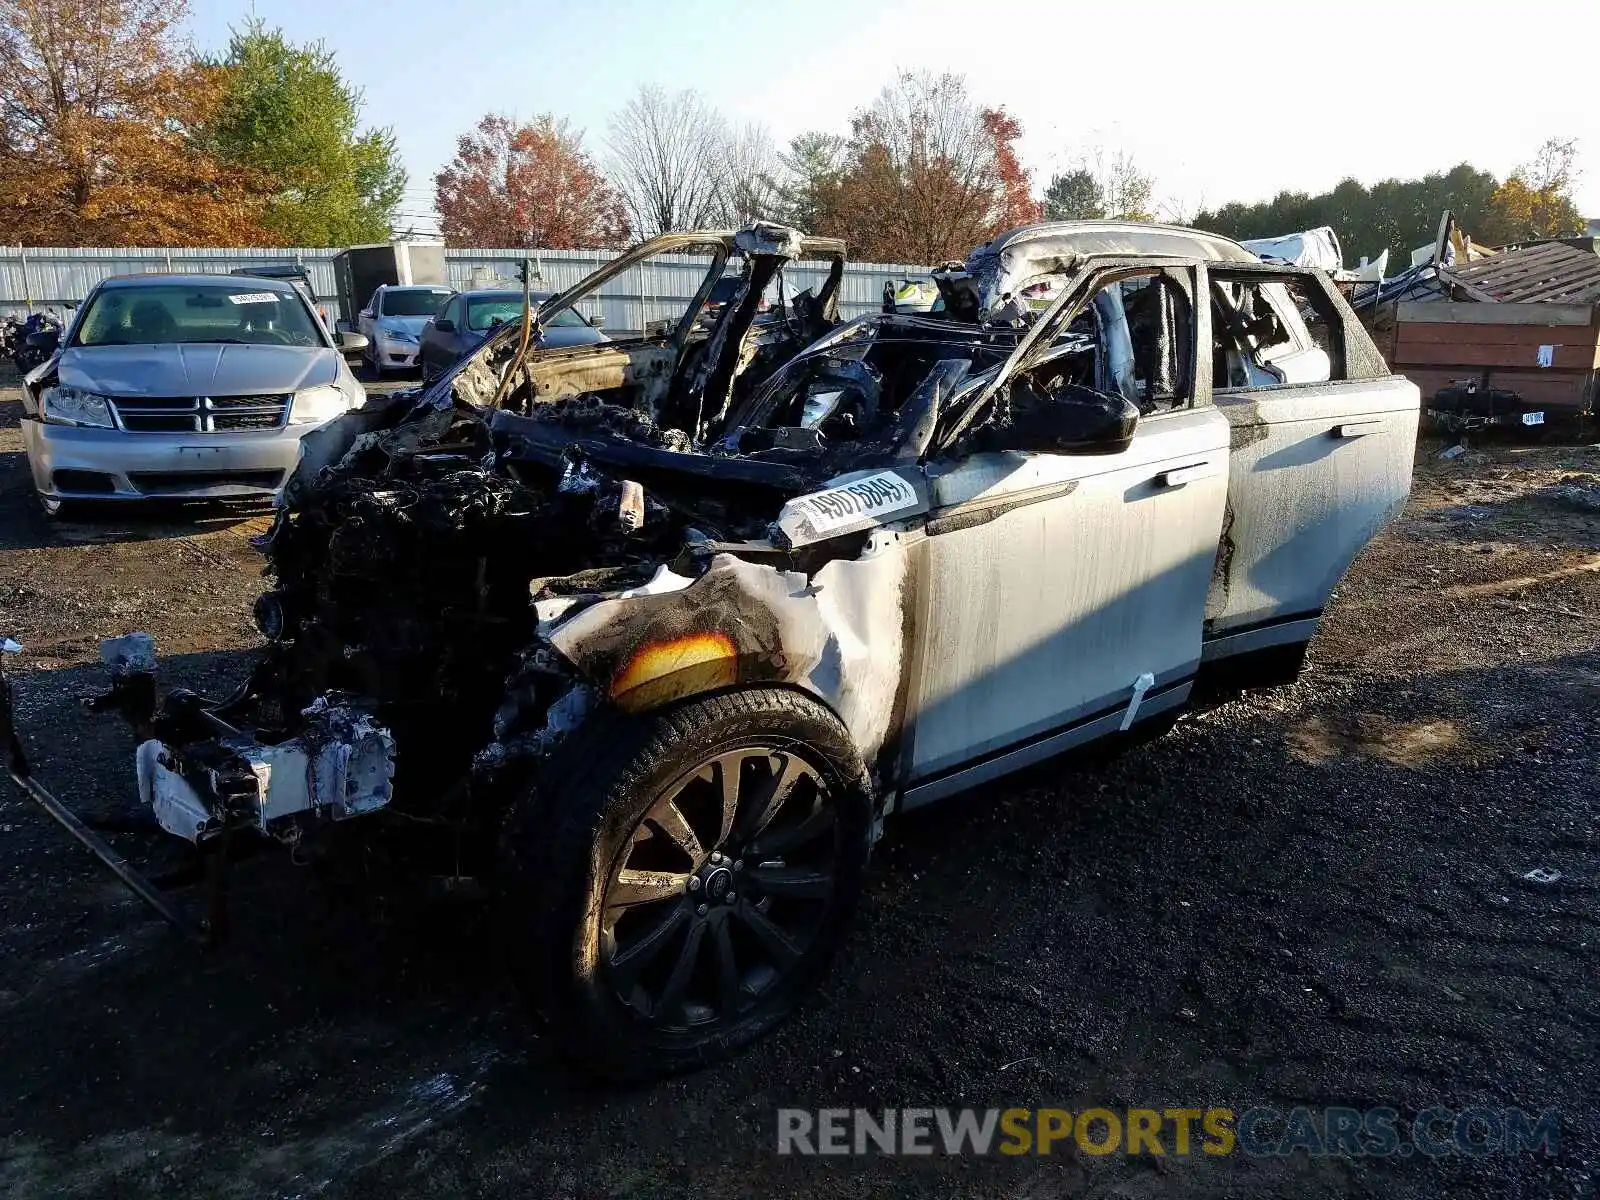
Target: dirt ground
x=1314, y=896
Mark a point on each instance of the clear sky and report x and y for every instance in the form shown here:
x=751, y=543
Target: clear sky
x=1228, y=100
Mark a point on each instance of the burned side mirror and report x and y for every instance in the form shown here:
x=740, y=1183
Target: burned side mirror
x=44, y=340
x=1048, y=417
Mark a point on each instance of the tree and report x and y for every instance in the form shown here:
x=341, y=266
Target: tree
x=288, y=114
x=527, y=185
x=926, y=174
x=100, y=104
x=1393, y=214
x=808, y=178
x=1101, y=184
x=1074, y=196
x=1127, y=191
x=1535, y=201
x=1016, y=203
x=663, y=150
x=744, y=165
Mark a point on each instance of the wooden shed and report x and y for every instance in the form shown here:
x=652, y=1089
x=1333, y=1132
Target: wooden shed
x=1527, y=320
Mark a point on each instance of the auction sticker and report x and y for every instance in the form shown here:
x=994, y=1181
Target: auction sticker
x=856, y=504
x=254, y=297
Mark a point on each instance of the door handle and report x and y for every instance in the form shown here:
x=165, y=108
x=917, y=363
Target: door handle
x=1179, y=476
x=1355, y=429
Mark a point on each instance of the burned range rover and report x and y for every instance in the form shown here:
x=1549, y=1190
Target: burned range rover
x=656, y=632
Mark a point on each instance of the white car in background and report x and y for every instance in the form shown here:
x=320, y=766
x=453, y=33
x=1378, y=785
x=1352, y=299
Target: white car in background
x=182, y=387
x=393, y=320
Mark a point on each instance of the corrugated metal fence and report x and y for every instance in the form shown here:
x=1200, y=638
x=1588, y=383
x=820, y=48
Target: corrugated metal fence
x=53, y=277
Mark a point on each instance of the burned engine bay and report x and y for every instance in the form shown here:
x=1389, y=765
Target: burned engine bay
x=461, y=576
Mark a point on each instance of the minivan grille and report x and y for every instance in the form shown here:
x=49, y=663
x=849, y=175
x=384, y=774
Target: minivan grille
x=200, y=414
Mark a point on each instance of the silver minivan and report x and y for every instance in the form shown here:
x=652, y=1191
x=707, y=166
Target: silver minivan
x=182, y=386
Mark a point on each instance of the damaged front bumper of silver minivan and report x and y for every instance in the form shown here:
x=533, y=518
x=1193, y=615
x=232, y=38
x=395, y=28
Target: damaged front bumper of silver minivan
x=205, y=779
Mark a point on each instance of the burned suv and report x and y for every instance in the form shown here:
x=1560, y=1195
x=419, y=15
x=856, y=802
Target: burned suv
x=655, y=633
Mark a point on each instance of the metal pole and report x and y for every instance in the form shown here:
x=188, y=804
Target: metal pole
x=97, y=846
x=22, y=775
x=27, y=288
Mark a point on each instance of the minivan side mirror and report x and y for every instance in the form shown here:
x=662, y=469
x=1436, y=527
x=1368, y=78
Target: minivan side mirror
x=44, y=339
x=444, y=324
x=351, y=341
x=598, y=321
x=1048, y=417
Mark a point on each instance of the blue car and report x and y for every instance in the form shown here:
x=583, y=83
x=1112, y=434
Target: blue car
x=461, y=325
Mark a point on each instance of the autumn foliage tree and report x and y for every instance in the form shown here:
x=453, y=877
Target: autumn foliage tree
x=527, y=185
x=1535, y=201
x=926, y=175
x=99, y=103
x=1015, y=199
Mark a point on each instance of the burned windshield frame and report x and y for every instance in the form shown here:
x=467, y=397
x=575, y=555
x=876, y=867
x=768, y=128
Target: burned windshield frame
x=720, y=247
x=506, y=332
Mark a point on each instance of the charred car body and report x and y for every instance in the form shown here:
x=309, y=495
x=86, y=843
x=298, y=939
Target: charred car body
x=665, y=627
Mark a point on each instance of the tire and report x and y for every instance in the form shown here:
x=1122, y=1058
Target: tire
x=645, y=975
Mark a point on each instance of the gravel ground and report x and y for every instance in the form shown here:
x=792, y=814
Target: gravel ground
x=1314, y=896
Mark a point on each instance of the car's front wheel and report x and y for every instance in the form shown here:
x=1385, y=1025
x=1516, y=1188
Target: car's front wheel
x=673, y=897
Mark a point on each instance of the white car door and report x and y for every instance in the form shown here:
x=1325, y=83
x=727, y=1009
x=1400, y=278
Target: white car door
x=1321, y=458
x=1065, y=592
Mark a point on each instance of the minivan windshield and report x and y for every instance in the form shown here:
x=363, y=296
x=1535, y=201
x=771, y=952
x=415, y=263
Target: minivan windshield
x=412, y=302
x=238, y=311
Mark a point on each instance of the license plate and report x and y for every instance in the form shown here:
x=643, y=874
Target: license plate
x=1533, y=418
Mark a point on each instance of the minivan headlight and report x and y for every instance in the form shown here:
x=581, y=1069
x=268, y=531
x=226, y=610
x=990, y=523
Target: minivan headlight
x=313, y=406
x=74, y=406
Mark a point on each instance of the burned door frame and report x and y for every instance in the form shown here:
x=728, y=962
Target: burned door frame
x=986, y=508
x=1343, y=449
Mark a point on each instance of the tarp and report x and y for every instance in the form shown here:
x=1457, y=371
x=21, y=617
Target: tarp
x=1313, y=248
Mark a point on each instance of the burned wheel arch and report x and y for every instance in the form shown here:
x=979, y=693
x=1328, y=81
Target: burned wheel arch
x=838, y=633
